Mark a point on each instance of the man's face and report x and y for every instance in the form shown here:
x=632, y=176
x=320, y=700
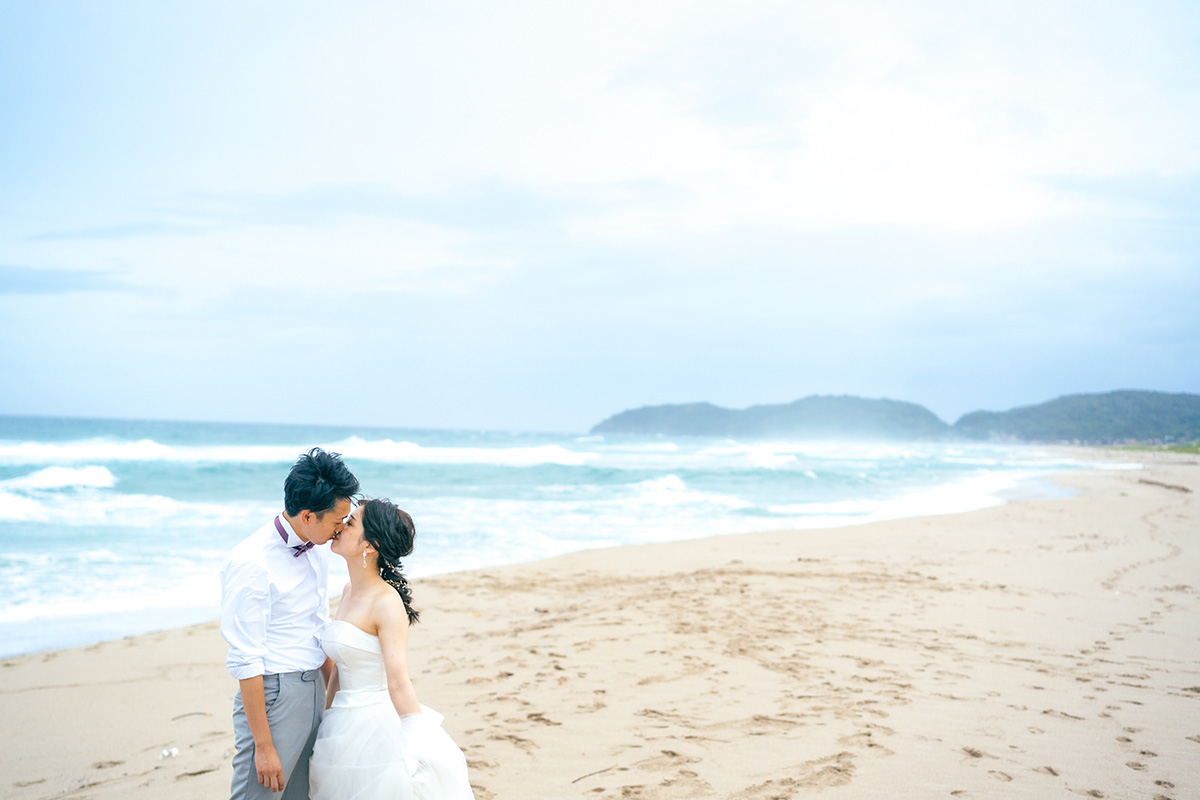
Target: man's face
x=321, y=530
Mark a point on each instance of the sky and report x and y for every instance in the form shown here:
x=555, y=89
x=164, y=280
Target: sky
x=531, y=216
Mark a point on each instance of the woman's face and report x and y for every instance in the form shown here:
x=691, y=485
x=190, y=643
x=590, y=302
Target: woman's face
x=349, y=542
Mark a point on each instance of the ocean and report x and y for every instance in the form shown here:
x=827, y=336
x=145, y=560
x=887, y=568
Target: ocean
x=117, y=527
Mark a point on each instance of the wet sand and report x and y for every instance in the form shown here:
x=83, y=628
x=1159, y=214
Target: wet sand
x=1039, y=649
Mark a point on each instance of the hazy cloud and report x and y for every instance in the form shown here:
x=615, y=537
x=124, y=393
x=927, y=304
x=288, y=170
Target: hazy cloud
x=536, y=215
x=25, y=280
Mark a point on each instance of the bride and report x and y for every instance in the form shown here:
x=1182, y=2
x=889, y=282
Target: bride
x=376, y=741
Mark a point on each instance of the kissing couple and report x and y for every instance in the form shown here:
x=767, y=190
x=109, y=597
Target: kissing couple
x=325, y=708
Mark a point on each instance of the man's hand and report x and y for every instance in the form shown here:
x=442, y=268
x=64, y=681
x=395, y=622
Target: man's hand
x=269, y=767
x=266, y=759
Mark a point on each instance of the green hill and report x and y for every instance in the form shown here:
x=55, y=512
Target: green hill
x=815, y=417
x=1092, y=418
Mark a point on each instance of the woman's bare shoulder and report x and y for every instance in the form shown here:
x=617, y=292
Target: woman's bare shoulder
x=388, y=610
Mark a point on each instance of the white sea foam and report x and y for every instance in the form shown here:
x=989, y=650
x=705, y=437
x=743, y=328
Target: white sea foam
x=1048, y=465
x=384, y=450
x=980, y=491
x=968, y=494
x=389, y=451
x=63, y=478
x=762, y=456
x=95, y=507
x=19, y=508
x=670, y=490
x=108, y=450
x=85, y=450
x=180, y=591
x=644, y=447
x=838, y=508
x=840, y=451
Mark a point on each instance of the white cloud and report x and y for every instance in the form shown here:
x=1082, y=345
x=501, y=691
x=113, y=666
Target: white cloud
x=345, y=255
x=657, y=182
x=934, y=115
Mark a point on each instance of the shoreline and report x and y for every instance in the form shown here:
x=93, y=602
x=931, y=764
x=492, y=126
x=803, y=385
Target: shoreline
x=955, y=495
x=1052, y=650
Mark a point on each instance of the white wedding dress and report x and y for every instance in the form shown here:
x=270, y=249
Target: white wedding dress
x=364, y=749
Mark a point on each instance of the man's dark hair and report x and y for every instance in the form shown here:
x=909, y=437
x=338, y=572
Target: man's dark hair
x=317, y=481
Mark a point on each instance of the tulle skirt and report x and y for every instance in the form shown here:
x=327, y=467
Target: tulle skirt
x=369, y=752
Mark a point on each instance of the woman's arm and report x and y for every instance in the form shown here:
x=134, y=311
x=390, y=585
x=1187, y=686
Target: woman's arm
x=329, y=670
x=393, y=641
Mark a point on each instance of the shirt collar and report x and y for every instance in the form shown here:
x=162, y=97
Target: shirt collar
x=293, y=539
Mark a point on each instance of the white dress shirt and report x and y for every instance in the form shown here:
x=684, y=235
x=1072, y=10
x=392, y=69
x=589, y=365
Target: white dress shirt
x=274, y=605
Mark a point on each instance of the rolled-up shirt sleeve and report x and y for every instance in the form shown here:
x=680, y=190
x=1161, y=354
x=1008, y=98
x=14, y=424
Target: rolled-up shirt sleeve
x=245, y=612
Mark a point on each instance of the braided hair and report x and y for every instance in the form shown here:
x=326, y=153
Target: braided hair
x=391, y=531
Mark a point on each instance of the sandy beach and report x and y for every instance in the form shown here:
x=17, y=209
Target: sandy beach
x=1033, y=650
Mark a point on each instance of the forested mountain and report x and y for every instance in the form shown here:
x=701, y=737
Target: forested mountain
x=1088, y=418
x=1098, y=418
x=816, y=417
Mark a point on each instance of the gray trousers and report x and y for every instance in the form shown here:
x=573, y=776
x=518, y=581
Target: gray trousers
x=295, y=702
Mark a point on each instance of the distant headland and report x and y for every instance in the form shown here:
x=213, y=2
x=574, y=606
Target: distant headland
x=1108, y=418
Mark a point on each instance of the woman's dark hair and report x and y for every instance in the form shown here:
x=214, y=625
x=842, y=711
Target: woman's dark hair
x=317, y=482
x=390, y=530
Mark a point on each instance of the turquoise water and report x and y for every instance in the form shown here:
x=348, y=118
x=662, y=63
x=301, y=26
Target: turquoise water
x=116, y=527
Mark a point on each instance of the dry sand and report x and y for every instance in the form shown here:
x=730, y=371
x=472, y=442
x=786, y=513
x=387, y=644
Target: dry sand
x=1035, y=650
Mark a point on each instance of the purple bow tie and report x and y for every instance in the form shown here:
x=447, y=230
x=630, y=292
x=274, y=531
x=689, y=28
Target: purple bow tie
x=298, y=549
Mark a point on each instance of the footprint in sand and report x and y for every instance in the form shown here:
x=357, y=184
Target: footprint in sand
x=1047, y=771
x=779, y=789
x=1000, y=776
x=1137, y=765
x=524, y=744
x=106, y=764
x=666, y=759
x=1063, y=715
x=540, y=716
x=686, y=783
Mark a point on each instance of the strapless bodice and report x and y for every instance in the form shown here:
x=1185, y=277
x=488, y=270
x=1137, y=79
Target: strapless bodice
x=362, y=678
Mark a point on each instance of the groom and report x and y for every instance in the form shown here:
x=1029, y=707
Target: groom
x=274, y=603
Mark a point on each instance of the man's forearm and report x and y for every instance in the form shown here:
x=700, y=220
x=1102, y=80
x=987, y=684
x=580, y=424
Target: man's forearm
x=254, y=701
